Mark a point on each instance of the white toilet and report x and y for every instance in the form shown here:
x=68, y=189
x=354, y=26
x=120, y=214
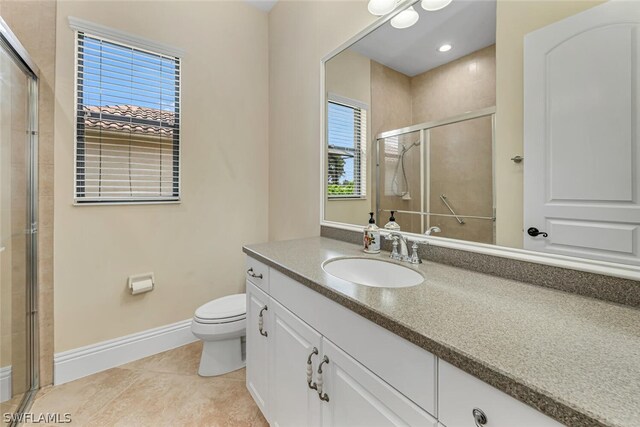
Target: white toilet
x=221, y=324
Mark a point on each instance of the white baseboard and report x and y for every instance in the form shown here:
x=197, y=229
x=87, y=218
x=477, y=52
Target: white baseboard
x=80, y=362
x=5, y=383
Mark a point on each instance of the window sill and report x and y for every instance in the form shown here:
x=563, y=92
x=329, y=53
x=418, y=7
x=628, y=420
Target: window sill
x=342, y=199
x=131, y=203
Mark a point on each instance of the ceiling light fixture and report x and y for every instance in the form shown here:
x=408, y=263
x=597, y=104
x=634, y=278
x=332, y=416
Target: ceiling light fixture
x=381, y=7
x=433, y=5
x=405, y=19
x=445, y=48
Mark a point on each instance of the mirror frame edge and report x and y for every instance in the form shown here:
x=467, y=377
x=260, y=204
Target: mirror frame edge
x=624, y=271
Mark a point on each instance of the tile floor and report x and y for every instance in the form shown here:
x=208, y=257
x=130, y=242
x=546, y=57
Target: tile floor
x=9, y=406
x=160, y=390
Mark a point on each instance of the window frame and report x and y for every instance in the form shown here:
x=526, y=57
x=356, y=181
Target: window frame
x=362, y=148
x=134, y=42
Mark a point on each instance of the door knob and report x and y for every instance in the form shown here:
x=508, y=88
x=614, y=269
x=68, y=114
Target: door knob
x=533, y=232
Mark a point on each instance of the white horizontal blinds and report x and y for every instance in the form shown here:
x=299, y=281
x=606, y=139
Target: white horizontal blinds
x=128, y=123
x=346, y=153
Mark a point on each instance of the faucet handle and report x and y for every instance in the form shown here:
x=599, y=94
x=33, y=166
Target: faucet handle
x=394, y=249
x=414, y=258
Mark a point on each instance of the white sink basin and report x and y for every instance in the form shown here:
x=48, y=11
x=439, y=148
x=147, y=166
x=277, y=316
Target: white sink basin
x=373, y=272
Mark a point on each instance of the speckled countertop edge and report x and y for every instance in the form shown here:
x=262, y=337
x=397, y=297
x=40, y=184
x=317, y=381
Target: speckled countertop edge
x=552, y=406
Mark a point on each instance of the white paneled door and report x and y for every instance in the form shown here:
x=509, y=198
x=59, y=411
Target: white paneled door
x=582, y=155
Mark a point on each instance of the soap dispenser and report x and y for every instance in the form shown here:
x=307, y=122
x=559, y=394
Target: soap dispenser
x=371, y=237
x=392, y=225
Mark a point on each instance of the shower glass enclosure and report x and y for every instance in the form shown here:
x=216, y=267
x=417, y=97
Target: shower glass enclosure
x=18, y=226
x=440, y=174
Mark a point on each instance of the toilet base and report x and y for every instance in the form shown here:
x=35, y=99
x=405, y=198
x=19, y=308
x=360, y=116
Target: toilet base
x=221, y=357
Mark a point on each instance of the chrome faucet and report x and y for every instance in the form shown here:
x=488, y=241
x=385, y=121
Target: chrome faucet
x=404, y=252
x=403, y=255
x=432, y=230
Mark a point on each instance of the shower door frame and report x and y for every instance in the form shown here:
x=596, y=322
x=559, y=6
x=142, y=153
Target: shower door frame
x=10, y=43
x=425, y=141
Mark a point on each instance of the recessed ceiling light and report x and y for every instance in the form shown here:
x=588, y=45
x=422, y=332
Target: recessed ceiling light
x=433, y=5
x=405, y=19
x=381, y=7
x=445, y=48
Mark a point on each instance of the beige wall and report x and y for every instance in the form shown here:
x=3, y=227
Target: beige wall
x=194, y=248
x=349, y=75
x=34, y=23
x=515, y=18
x=300, y=34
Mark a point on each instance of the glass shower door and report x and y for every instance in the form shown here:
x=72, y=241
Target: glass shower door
x=18, y=344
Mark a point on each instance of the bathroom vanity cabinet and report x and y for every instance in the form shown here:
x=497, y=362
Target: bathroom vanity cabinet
x=314, y=362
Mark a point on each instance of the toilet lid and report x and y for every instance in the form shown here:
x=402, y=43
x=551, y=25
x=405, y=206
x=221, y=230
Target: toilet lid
x=223, y=308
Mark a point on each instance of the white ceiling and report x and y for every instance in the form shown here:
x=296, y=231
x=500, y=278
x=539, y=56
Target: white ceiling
x=468, y=25
x=264, y=5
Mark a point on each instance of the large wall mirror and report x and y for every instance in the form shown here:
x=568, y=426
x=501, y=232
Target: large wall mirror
x=413, y=125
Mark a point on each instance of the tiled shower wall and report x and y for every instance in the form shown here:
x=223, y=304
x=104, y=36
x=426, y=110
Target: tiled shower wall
x=461, y=153
x=34, y=23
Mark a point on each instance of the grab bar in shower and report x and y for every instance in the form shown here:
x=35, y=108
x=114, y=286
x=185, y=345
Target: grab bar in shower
x=444, y=200
x=489, y=218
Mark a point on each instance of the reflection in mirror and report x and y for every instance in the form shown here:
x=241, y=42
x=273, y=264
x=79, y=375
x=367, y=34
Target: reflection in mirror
x=430, y=127
x=441, y=175
x=550, y=165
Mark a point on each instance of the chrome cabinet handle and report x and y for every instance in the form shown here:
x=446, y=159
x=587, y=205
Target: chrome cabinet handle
x=323, y=396
x=479, y=417
x=254, y=275
x=311, y=385
x=261, y=321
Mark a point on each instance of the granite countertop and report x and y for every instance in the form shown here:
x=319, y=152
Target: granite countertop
x=574, y=358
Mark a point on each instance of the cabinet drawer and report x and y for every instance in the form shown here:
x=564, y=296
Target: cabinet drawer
x=460, y=393
x=257, y=273
x=408, y=368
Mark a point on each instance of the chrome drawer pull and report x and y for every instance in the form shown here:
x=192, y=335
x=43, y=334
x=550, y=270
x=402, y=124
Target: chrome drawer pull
x=261, y=321
x=323, y=396
x=311, y=385
x=479, y=417
x=254, y=275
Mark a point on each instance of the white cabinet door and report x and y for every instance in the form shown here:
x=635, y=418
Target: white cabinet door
x=258, y=347
x=357, y=397
x=293, y=343
x=581, y=147
x=460, y=393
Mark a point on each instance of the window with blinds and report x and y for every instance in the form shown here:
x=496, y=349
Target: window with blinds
x=127, y=123
x=346, y=151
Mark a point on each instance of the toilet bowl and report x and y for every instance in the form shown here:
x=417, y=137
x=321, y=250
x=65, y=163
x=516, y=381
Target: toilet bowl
x=221, y=325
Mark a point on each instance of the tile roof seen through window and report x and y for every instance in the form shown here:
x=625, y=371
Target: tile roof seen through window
x=130, y=118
